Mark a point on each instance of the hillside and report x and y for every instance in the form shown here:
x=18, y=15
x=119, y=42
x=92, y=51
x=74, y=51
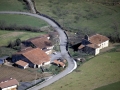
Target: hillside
x=13, y=5
x=99, y=71
x=98, y=16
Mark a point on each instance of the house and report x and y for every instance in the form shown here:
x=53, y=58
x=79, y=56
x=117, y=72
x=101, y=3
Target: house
x=9, y=84
x=58, y=63
x=22, y=64
x=35, y=58
x=41, y=42
x=93, y=44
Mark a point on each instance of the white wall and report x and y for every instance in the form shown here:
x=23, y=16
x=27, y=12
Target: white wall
x=104, y=44
x=26, y=66
x=9, y=88
x=51, y=47
x=48, y=52
x=97, y=51
x=47, y=63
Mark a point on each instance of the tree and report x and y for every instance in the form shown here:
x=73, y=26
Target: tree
x=18, y=42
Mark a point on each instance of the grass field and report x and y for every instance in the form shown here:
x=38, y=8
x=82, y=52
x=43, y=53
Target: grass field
x=7, y=36
x=82, y=14
x=113, y=86
x=99, y=71
x=21, y=20
x=12, y=5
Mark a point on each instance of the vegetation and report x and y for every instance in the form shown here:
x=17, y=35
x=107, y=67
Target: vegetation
x=99, y=71
x=21, y=20
x=4, y=51
x=13, y=5
x=12, y=39
x=9, y=36
x=113, y=86
x=54, y=69
x=99, y=16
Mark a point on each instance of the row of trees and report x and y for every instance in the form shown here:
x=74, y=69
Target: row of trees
x=4, y=26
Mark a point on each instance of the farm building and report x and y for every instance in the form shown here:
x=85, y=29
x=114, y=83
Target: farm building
x=35, y=57
x=9, y=84
x=93, y=44
x=41, y=42
x=22, y=64
x=58, y=63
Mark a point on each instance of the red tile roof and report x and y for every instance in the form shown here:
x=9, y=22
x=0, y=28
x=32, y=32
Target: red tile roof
x=21, y=63
x=93, y=46
x=81, y=46
x=36, y=56
x=98, y=39
x=59, y=63
x=8, y=83
x=41, y=42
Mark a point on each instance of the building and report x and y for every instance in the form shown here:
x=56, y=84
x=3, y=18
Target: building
x=35, y=58
x=58, y=63
x=22, y=64
x=93, y=44
x=41, y=42
x=9, y=84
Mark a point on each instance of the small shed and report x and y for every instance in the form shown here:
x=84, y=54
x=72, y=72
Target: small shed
x=22, y=64
x=58, y=63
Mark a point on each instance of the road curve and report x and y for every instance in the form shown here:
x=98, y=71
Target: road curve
x=63, y=43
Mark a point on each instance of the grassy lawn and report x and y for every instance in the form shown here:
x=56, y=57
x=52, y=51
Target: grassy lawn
x=12, y=5
x=82, y=14
x=113, y=86
x=7, y=36
x=4, y=51
x=21, y=20
x=99, y=71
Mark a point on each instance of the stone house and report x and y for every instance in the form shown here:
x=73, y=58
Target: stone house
x=41, y=42
x=93, y=44
x=35, y=58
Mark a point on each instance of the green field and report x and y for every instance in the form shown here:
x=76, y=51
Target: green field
x=7, y=36
x=21, y=20
x=82, y=14
x=113, y=86
x=12, y=5
x=99, y=71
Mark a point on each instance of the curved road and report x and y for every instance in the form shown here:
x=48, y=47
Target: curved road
x=63, y=43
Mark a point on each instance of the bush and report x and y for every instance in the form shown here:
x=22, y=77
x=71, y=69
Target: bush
x=55, y=69
x=15, y=44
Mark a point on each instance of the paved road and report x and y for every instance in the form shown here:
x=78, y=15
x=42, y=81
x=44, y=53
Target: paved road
x=63, y=42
